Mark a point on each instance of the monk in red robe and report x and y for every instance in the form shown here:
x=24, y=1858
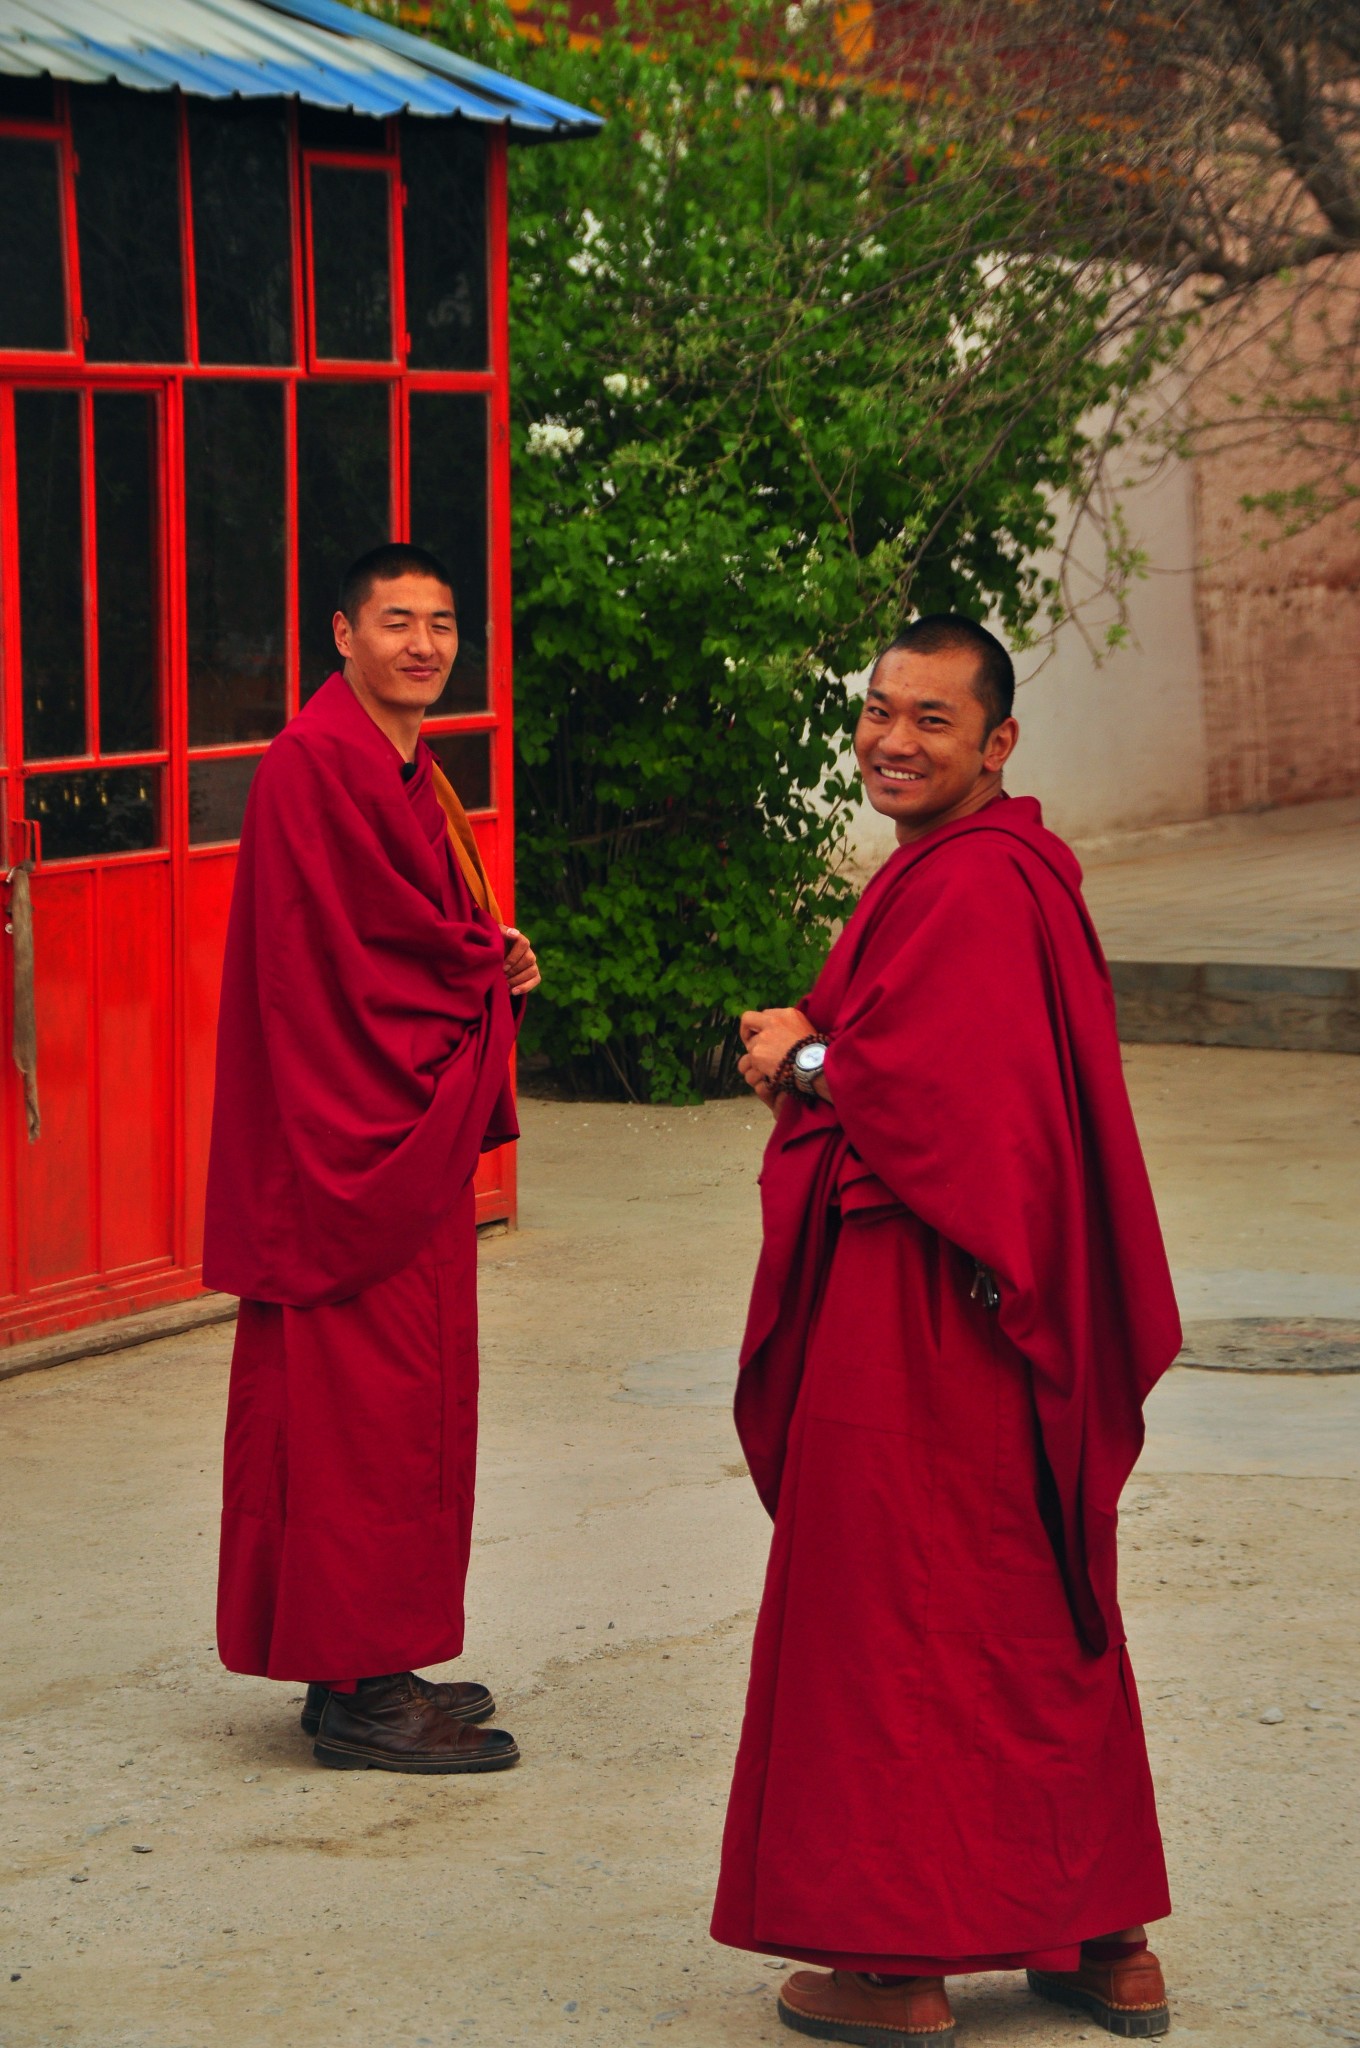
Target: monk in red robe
x=961, y=1304
x=369, y=1005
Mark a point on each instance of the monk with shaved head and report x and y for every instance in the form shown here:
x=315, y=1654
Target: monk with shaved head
x=961, y=1304
x=370, y=998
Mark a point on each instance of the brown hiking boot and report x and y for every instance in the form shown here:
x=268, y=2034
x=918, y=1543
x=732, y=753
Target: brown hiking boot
x=390, y=1724
x=847, y=2007
x=464, y=1702
x=1127, y=1997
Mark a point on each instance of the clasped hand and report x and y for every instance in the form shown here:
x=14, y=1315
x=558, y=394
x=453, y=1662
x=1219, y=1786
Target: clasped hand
x=768, y=1035
x=521, y=967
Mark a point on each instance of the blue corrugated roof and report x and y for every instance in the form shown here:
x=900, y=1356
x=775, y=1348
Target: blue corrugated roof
x=321, y=51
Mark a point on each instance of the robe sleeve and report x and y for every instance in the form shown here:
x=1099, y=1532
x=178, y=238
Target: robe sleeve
x=948, y=1072
x=370, y=1030
x=954, y=1072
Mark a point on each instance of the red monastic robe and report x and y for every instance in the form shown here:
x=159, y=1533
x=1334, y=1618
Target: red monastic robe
x=363, y=1047
x=942, y=1765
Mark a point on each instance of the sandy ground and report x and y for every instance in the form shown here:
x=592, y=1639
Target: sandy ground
x=179, y=1872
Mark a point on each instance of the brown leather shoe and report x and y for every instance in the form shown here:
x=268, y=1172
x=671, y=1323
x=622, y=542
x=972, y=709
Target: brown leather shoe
x=390, y=1725
x=847, y=2007
x=1127, y=1997
x=464, y=1702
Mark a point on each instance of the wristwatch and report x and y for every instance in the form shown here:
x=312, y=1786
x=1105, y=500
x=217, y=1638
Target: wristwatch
x=808, y=1060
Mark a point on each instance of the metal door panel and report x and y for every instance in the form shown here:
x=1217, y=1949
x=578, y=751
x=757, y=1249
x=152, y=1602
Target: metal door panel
x=57, y=1175
x=208, y=880
x=11, y=1131
x=135, y=1065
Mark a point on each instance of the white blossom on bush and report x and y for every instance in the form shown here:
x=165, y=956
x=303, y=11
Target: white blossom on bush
x=620, y=385
x=554, y=438
x=587, y=260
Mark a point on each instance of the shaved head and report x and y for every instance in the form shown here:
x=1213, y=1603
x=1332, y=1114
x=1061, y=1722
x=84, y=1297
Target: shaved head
x=950, y=632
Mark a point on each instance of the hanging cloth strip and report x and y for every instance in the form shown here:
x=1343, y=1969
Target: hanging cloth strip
x=464, y=844
x=25, y=1037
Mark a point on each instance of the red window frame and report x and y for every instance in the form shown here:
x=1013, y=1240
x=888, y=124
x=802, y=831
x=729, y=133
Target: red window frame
x=61, y=1304
x=377, y=164
x=54, y=368
x=57, y=130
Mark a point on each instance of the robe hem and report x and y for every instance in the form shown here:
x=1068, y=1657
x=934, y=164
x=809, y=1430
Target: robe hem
x=1064, y=1955
x=291, y=1671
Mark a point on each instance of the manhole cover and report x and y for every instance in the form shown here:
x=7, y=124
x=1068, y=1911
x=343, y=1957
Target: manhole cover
x=1273, y=1344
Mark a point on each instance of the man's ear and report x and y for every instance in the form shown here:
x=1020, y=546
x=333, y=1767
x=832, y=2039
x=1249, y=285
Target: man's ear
x=340, y=628
x=1000, y=745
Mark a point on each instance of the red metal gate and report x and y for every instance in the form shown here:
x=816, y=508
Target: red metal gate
x=170, y=536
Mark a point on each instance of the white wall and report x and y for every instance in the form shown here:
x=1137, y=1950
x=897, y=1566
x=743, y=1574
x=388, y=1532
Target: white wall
x=1115, y=743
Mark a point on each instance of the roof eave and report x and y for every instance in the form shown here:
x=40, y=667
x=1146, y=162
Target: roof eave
x=322, y=69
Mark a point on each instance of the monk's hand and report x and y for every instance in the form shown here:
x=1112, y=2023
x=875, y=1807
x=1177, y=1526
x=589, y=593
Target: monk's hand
x=521, y=967
x=772, y=1097
x=767, y=1036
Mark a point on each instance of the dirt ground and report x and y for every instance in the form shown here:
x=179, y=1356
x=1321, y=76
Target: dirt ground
x=179, y=1872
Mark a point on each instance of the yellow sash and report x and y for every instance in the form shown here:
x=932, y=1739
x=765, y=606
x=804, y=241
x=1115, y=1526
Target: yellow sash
x=464, y=844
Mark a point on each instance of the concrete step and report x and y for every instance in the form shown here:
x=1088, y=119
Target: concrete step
x=1294, y=1007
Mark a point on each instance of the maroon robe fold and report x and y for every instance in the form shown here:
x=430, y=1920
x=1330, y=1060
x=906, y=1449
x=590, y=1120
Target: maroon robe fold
x=942, y=1765
x=363, y=1046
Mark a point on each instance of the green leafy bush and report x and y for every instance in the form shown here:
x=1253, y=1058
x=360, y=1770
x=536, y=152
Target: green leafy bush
x=777, y=379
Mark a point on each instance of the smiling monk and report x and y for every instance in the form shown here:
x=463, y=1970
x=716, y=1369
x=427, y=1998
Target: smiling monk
x=369, y=1004
x=961, y=1304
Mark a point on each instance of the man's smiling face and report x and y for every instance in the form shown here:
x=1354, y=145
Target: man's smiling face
x=922, y=743
x=400, y=647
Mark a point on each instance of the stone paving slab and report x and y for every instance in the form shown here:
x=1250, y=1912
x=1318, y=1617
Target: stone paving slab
x=1235, y=931
x=1264, y=1291
x=1232, y=1423
x=1257, y=895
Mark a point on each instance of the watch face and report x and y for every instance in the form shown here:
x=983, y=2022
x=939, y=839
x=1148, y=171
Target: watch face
x=809, y=1059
